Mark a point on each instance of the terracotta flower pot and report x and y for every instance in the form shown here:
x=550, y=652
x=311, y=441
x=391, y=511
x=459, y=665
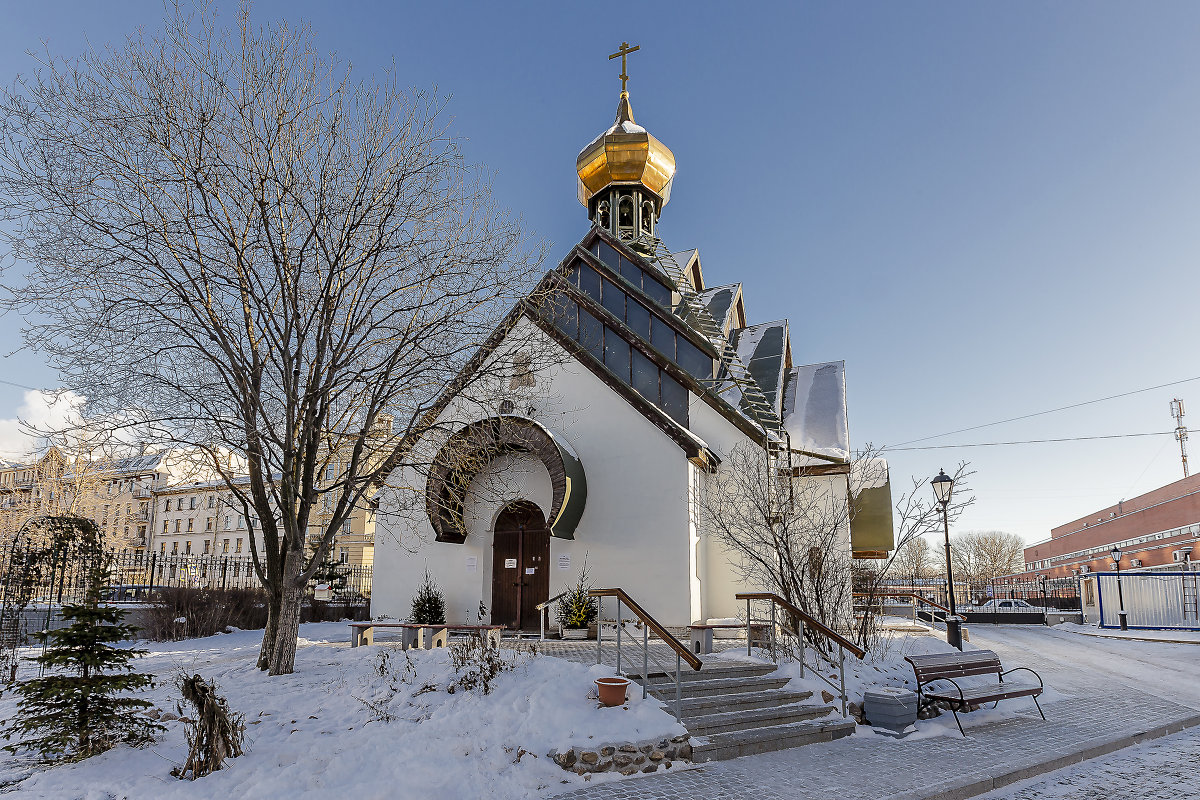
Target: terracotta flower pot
x=612, y=690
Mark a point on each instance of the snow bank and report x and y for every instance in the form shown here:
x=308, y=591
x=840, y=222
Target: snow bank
x=313, y=734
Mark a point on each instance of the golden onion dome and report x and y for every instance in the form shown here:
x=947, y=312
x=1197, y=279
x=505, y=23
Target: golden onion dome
x=625, y=154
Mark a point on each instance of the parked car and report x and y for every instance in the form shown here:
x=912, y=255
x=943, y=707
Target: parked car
x=1006, y=605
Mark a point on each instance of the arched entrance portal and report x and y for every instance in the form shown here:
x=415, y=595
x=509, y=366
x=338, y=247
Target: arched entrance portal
x=520, y=565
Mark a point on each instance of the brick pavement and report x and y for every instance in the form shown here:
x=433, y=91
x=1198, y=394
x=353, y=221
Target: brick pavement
x=1100, y=716
x=1163, y=769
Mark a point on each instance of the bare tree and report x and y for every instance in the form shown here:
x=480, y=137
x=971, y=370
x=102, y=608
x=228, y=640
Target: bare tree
x=238, y=249
x=985, y=555
x=916, y=516
x=914, y=559
x=798, y=547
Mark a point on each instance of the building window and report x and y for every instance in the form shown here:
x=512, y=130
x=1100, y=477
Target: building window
x=212, y=499
x=177, y=525
x=227, y=521
x=225, y=546
x=241, y=522
x=192, y=503
x=206, y=547
x=187, y=548
x=190, y=521
x=346, y=526
x=239, y=545
x=174, y=548
x=165, y=524
x=179, y=504
x=208, y=524
x=344, y=556
x=162, y=548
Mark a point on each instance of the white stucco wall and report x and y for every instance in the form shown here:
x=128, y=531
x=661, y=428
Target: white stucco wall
x=636, y=530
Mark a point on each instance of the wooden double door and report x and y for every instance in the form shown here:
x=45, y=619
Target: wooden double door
x=520, y=566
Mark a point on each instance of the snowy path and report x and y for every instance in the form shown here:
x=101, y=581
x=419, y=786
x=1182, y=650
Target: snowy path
x=1160, y=770
x=1108, y=690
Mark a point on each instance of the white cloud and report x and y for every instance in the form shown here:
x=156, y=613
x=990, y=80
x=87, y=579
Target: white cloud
x=41, y=410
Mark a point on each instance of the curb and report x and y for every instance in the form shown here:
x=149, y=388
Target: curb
x=1135, y=638
x=976, y=788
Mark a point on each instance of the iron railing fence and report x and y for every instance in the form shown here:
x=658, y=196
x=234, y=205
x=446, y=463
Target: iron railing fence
x=136, y=576
x=1060, y=594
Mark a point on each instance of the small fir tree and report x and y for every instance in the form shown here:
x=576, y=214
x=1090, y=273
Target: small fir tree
x=429, y=604
x=76, y=710
x=576, y=609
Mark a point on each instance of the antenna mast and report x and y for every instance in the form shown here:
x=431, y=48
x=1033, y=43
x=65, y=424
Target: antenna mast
x=1181, y=432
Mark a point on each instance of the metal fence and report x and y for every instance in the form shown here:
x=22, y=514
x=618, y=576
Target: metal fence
x=1150, y=599
x=1058, y=593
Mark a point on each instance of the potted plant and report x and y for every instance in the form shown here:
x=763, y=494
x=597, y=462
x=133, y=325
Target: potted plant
x=576, y=611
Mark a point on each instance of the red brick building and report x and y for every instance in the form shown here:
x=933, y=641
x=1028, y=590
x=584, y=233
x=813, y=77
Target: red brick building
x=1148, y=529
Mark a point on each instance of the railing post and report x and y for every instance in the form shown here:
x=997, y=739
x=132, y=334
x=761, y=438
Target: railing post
x=542, y=626
x=842, y=674
x=773, y=657
x=801, y=632
x=645, y=657
x=600, y=629
x=678, y=690
x=748, y=625
x=618, y=635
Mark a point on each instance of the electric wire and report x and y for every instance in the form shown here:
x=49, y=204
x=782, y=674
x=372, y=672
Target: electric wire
x=1042, y=413
x=1027, y=441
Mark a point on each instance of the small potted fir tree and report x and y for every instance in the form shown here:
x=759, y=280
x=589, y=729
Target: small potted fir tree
x=577, y=611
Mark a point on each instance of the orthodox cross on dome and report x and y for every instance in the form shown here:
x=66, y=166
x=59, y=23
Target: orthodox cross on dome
x=624, y=51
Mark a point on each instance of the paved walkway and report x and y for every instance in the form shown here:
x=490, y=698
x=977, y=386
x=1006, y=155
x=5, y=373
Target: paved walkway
x=1115, y=690
x=1163, y=769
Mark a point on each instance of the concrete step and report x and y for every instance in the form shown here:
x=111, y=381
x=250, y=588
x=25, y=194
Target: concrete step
x=710, y=724
x=733, y=744
x=741, y=701
x=704, y=674
x=721, y=686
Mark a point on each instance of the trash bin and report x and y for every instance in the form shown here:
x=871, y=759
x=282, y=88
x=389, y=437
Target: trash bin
x=954, y=632
x=890, y=707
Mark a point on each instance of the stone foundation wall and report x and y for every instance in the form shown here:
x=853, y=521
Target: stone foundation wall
x=626, y=758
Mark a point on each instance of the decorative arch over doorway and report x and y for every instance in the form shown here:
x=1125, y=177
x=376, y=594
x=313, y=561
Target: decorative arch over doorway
x=520, y=565
x=470, y=449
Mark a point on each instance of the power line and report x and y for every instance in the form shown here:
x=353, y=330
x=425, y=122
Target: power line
x=19, y=385
x=1042, y=413
x=1027, y=441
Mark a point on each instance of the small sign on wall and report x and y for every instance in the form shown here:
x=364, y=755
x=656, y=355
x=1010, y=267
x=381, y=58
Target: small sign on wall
x=530, y=570
x=510, y=563
x=564, y=561
x=472, y=563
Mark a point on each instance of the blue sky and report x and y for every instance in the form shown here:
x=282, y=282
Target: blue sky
x=986, y=209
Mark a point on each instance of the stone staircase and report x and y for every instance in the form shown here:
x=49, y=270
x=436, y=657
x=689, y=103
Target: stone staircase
x=741, y=710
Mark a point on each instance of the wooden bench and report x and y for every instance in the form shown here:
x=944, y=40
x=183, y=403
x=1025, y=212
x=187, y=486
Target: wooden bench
x=702, y=635
x=949, y=666
x=423, y=637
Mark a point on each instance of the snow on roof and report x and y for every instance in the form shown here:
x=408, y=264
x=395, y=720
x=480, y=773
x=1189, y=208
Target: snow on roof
x=814, y=409
x=719, y=300
x=761, y=348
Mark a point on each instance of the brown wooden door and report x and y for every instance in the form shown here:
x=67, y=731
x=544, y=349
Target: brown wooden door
x=520, y=559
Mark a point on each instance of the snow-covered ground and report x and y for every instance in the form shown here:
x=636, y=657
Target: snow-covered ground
x=1175, y=636
x=315, y=734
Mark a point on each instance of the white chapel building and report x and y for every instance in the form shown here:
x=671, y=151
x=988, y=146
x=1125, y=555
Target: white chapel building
x=601, y=454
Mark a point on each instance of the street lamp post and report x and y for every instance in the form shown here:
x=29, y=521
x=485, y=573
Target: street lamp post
x=1045, y=602
x=943, y=485
x=1116, y=557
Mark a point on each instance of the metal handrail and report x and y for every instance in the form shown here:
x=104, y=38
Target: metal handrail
x=648, y=623
x=809, y=620
x=806, y=621
x=913, y=595
x=541, y=609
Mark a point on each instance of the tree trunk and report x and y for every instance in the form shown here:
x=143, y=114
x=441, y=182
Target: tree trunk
x=270, y=632
x=283, y=654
